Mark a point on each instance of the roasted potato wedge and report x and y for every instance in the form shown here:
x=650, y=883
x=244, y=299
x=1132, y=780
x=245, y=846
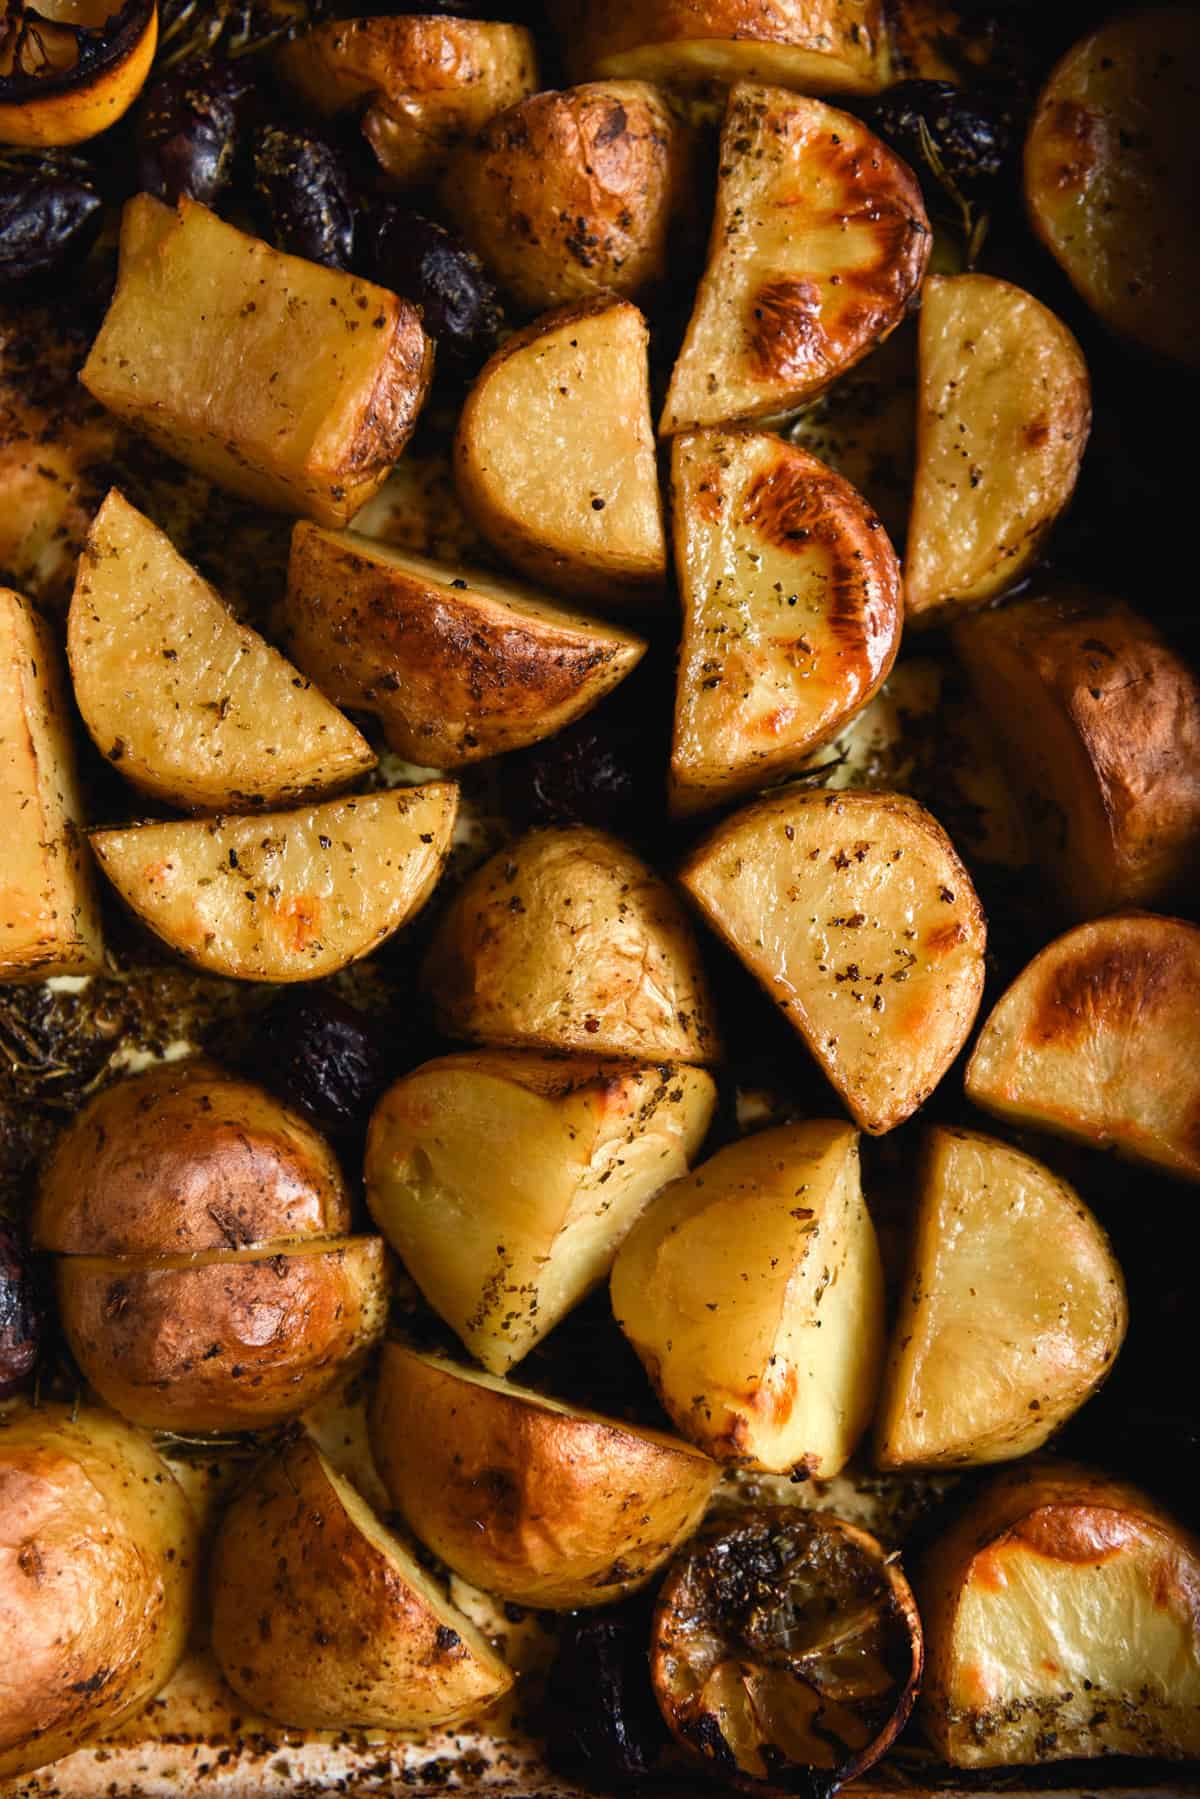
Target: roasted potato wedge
x=322, y=1619
x=1004, y=410
x=819, y=245
x=286, y=896
x=1098, y=1039
x=185, y=702
x=793, y=607
x=567, y=941
x=292, y=385
x=572, y=194
x=554, y=456
x=456, y=665
x=1013, y=1314
x=817, y=46
x=97, y=1571
x=1112, y=167
x=1099, y=719
x=503, y=1249
x=227, y=1339
x=1060, y=1621
x=857, y=916
x=752, y=1290
x=420, y=84
x=183, y=1158
x=49, y=920
x=534, y=1501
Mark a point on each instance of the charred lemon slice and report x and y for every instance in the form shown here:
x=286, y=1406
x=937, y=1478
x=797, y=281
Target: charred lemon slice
x=70, y=68
x=786, y=1649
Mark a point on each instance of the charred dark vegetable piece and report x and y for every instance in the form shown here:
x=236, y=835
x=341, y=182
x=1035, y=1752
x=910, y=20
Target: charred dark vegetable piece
x=189, y=128
x=47, y=220
x=430, y=266
x=303, y=195
x=599, y=1714
x=20, y=1313
x=959, y=143
x=328, y=1059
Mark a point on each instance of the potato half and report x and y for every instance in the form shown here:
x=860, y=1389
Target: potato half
x=49, y=919
x=419, y=84
x=1013, y=1313
x=292, y=385
x=1004, y=410
x=97, y=1568
x=534, y=1501
x=573, y=194
x=566, y=940
x=819, y=244
x=285, y=896
x=554, y=456
x=503, y=1247
x=817, y=46
x=752, y=1291
x=1099, y=719
x=323, y=1620
x=223, y=1340
x=1099, y=1039
x=184, y=701
x=857, y=916
x=458, y=665
x=1112, y=167
x=792, y=610
x=1060, y=1621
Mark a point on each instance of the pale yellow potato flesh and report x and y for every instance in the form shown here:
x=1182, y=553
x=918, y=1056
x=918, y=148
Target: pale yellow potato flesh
x=421, y=84
x=49, y=920
x=793, y=608
x=186, y=702
x=292, y=385
x=1060, y=1621
x=752, y=1291
x=458, y=664
x=1004, y=410
x=324, y=1620
x=98, y=1565
x=855, y=913
x=818, y=248
x=1097, y=1039
x=503, y=1247
x=1099, y=719
x=1013, y=1313
x=285, y=896
x=566, y=940
x=534, y=1501
x=554, y=455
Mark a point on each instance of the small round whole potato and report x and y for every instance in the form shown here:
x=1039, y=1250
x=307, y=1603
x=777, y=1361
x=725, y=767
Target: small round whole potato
x=569, y=194
x=97, y=1562
x=532, y=1500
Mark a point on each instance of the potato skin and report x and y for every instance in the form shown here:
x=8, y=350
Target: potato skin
x=537, y=1505
x=97, y=1565
x=314, y=1624
x=222, y=1342
x=185, y=1157
x=571, y=193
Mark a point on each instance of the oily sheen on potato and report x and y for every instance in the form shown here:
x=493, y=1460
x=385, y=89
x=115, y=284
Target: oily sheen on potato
x=503, y=1247
x=818, y=248
x=1013, y=1313
x=753, y=1293
x=322, y=1619
x=554, y=454
x=293, y=385
x=49, y=919
x=1098, y=1039
x=457, y=664
x=1003, y=414
x=537, y=1502
x=792, y=610
x=185, y=702
x=855, y=913
x=285, y=896
x=1060, y=1622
